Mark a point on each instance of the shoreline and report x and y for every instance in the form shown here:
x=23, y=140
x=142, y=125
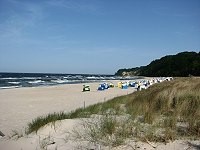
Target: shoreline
x=62, y=134
x=20, y=106
x=13, y=80
x=72, y=83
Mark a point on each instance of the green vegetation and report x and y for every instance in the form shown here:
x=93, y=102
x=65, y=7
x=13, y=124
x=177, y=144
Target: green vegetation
x=164, y=111
x=130, y=72
x=39, y=122
x=180, y=65
x=105, y=130
x=175, y=102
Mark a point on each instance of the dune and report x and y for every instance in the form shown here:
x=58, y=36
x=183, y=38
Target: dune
x=61, y=136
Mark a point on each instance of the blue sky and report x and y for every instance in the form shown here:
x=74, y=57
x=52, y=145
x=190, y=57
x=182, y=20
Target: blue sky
x=94, y=36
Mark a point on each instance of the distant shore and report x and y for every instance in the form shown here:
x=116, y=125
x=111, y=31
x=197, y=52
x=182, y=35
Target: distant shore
x=20, y=105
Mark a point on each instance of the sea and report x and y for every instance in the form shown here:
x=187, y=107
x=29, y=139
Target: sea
x=18, y=80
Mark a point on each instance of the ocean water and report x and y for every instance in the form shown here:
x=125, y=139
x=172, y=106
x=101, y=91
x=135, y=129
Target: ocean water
x=17, y=80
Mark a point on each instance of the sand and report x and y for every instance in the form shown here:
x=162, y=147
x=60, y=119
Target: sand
x=60, y=136
x=19, y=106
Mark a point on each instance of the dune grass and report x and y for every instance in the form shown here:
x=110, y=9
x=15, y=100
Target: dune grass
x=98, y=108
x=172, y=108
x=41, y=121
x=105, y=130
x=176, y=101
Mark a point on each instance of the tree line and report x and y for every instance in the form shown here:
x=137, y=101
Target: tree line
x=180, y=65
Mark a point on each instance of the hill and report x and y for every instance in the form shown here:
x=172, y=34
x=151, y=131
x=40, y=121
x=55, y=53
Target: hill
x=182, y=64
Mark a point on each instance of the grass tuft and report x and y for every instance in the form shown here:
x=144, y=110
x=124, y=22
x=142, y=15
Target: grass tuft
x=39, y=122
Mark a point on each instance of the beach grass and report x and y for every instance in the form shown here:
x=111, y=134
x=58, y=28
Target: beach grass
x=164, y=111
x=105, y=130
x=41, y=121
x=98, y=108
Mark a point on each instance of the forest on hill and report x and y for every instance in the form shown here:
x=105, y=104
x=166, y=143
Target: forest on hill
x=180, y=65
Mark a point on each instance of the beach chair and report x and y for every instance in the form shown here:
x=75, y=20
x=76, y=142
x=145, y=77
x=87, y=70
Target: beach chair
x=101, y=87
x=111, y=85
x=86, y=88
x=132, y=84
x=106, y=86
x=119, y=84
x=124, y=86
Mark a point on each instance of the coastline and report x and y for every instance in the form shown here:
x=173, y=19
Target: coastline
x=62, y=134
x=19, y=106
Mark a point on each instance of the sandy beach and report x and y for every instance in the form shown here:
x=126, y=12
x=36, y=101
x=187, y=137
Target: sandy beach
x=19, y=106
